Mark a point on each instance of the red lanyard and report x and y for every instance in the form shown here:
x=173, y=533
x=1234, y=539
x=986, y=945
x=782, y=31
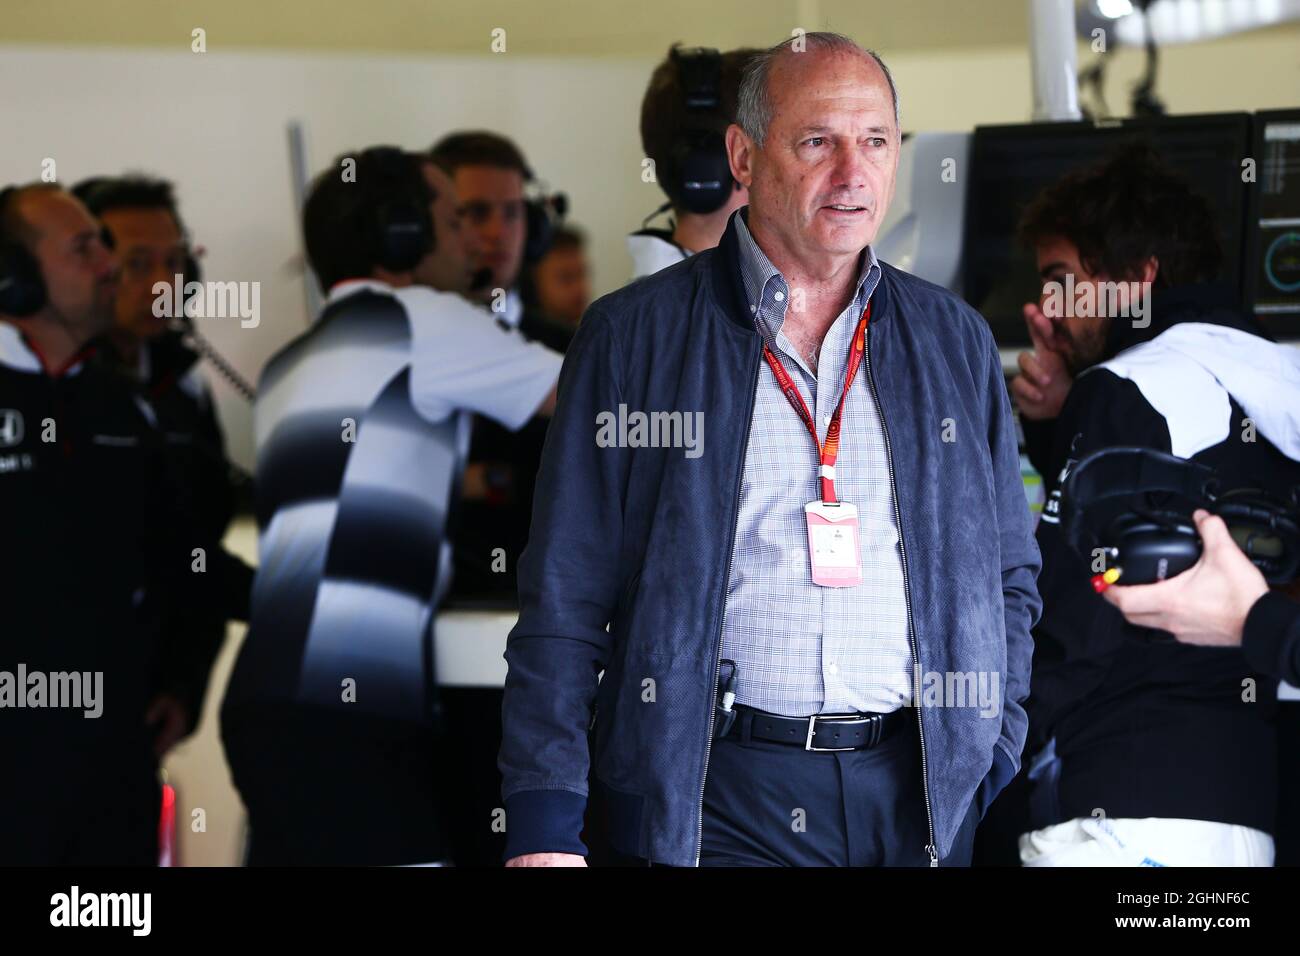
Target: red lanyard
x=829, y=451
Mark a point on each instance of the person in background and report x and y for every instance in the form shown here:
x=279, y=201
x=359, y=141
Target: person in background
x=489, y=174
x=560, y=283
x=151, y=246
x=688, y=104
x=1157, y=735
x=330, y=721
x=99, y=559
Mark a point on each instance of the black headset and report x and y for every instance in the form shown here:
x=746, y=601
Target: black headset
x=401, y=226
x=22, y=287
x=543, y=214
x=699, y=175
x=1136, y=504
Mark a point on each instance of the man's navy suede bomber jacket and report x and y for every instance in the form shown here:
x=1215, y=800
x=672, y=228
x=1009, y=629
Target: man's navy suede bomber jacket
x=629, y=551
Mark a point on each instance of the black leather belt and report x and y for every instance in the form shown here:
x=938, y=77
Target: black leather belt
x=820, y=732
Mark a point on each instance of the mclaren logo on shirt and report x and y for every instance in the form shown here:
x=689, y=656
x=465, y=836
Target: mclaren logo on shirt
x=11, y=434
x=1052, y=507
x=11, y=427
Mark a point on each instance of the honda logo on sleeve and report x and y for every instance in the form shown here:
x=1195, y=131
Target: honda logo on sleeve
x=11, y=427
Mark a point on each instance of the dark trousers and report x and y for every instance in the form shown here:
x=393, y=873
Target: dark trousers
x=327, y=788
x=74, y=805
x=771, y=804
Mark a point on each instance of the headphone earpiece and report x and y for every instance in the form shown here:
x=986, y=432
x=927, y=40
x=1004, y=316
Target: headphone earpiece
x=543, y=214
x=700, y=179
x=1107, y=503
x=1265, y=529
x=405, y=235
x=1153, y=546
x=22, y=287
x=403, y=225
x=703, y=173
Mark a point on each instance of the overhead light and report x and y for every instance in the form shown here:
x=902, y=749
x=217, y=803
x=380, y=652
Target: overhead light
x=1180, y=21
x=1114, y=9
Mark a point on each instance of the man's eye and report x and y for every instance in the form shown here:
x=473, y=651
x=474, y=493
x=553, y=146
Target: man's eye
x=878, y=141
x=814, y=141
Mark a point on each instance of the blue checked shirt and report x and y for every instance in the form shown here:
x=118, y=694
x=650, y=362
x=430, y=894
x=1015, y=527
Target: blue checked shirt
x=801, y=648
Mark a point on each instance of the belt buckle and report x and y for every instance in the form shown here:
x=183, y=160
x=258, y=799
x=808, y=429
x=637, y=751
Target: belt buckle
x=812, y=729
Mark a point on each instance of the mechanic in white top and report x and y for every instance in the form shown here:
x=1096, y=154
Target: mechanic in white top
x=362, y=427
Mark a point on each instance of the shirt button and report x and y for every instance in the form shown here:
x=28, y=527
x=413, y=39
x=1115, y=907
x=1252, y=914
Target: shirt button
x=833, y=668
x=780, y=296
x=826, y=419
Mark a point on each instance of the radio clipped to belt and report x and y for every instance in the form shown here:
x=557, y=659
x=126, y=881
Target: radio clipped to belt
x=724, y=712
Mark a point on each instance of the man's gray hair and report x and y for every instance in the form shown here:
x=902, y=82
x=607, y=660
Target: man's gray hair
x=754, y=103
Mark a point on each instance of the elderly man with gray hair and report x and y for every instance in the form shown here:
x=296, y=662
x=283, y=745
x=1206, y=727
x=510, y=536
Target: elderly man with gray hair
x=808, y=641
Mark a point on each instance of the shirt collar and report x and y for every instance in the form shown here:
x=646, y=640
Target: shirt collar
x=19, y=355
x=341, y=290
x=14, y=352
x=757, y=271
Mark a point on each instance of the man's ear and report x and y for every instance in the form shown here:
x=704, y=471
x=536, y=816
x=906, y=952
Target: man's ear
x=740, y=154
x=1150, y=269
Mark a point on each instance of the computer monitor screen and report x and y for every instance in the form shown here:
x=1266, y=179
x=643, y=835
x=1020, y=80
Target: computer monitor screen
x=1275, y=254
x=1010, y=164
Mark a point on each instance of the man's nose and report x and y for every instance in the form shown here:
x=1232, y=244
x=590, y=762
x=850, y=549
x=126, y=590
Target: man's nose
x=106, y=263
x=493, y=228
x=161, y=272
x=850, y=170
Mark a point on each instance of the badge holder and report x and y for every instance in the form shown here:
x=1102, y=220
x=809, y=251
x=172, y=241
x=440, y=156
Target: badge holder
x=833, y=543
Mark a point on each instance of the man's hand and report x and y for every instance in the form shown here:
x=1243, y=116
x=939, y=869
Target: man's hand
x=1044, y=381
x=547, y=859
x=171, y=718
x=1207, y=604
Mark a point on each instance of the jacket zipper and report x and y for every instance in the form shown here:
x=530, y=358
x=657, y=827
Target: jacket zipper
x=722, y=607
x=907, y=596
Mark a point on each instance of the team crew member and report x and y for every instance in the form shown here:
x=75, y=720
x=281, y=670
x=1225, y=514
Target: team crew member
x=97, y=563
x=1155, y=733
x=151, y=246
x=748, y=675
x=690, y=101
x=560, y=283
x=329, y=719
x=490, y=175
